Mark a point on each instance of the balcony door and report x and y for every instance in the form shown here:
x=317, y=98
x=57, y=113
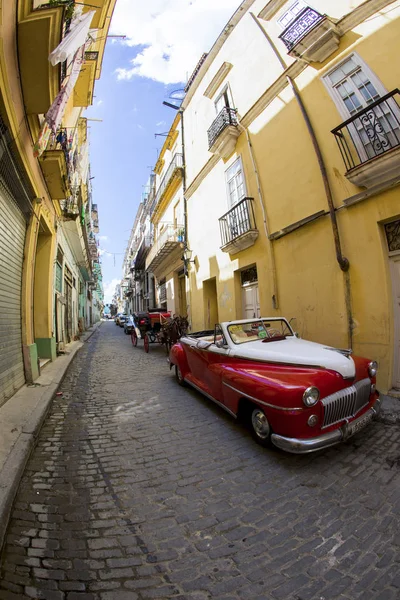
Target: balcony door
x=224, y=100
x=291, y=14
x=395, y=272
x=250, y=295
x=236, y=190
x=354, y=87
x=251, y=301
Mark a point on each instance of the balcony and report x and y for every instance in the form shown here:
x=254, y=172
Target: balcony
x=369, y=142
x=238, y=227
x=69, y=209
x=55, y=170
x=173, y=173
x=169, y=244
x=142, y=252
x=223, y=133
x=311, y=36
x=40, y=30
x=83, y=89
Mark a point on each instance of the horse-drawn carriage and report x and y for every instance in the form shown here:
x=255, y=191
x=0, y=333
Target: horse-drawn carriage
x=158, y=326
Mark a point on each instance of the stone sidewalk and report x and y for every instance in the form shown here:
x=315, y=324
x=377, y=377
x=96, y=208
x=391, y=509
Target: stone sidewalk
x=140, y=489
x=21, y=418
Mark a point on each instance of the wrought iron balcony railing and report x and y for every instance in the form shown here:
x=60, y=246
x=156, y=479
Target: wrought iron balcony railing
x=176, y=163
x=371, y=132
x=167, y=241
x=237, y=221
x=304, y=22
x=226, y=117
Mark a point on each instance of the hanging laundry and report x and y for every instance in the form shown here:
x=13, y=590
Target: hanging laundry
x=75, y=38
x=43, y=139
x=62, y=138
x=56, y=111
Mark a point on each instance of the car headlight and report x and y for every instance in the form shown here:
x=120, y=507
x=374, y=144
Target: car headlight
x=311, y=396
x=372, y=368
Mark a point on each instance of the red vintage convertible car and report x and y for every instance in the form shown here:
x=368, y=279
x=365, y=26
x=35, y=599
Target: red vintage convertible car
x=299, y=395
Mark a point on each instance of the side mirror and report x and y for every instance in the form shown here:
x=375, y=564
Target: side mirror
x=220, y=344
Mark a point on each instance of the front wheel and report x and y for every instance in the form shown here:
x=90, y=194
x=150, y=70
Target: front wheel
x=260, y=428
x=146, y=343
x=179, y=376
x=134, y=338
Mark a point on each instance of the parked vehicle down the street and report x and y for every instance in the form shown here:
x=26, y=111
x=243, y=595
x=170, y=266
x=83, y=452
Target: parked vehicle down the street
x=122, y=319
x=298, y=395
x=116, y=319
x=129, y=324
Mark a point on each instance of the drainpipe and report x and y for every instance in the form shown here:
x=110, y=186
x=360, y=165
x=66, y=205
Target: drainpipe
x=185, y=238
x=343, y=262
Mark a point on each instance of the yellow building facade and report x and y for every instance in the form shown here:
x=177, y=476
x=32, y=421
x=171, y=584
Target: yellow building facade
x=35, y=189
x=164, y=260
x=292, y=141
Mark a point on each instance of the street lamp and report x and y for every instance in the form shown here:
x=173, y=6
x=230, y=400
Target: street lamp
x=187, y=258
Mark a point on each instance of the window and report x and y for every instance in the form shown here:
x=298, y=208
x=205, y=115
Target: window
x=235, y=183
x=224, y=100
x=291, y=15
x=177, y=214
x=59, y=266
x=163, y=291
x=353, y=87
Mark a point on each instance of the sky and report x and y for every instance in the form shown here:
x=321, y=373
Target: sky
x=164, y=41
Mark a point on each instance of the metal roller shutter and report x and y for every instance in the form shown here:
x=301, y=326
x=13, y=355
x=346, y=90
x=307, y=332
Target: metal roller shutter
x=12, y=239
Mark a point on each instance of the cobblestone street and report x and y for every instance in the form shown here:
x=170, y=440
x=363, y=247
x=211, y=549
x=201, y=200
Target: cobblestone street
x=141, y=489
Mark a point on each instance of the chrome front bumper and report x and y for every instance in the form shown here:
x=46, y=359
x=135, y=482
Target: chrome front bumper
x=303, y=446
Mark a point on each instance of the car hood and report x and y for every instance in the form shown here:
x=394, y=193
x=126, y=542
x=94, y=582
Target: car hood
x=298, y=352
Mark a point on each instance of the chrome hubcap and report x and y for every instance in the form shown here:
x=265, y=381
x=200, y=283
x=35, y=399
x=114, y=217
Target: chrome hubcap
x=178, y=373
x=260, y=423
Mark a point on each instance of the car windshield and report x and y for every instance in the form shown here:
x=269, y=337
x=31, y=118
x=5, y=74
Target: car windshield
x=259, y=329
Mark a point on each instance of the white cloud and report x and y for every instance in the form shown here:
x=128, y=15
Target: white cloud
x=161, y=124
x=174, y=33
x=99, y=102
x=109, y=289
x=103, y=238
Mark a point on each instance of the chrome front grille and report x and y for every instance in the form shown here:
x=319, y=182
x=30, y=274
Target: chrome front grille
x=346, y=403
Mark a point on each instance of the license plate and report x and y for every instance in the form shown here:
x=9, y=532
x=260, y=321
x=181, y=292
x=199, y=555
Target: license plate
x=353, y=428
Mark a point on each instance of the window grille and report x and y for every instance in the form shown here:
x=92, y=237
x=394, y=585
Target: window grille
x=392, y=231
x=249, y=275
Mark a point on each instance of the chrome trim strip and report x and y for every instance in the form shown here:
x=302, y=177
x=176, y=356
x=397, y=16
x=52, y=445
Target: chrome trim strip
x=304, y=446
x=196, y=387
x=275, y=362
x=260, y=401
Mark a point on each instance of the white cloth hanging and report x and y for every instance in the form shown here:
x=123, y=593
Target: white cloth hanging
x=74, y=39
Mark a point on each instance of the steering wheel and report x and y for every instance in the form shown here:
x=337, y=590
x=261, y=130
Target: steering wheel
x=272, y=333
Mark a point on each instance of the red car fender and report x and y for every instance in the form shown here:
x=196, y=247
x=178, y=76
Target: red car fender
x=177, y=357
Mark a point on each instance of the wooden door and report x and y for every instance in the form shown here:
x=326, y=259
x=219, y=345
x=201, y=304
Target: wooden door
x=395, y=272
x=68, y=311
x=251, y=302
x=182, y=296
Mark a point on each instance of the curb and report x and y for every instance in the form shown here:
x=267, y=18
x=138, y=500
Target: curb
x=26, y=425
